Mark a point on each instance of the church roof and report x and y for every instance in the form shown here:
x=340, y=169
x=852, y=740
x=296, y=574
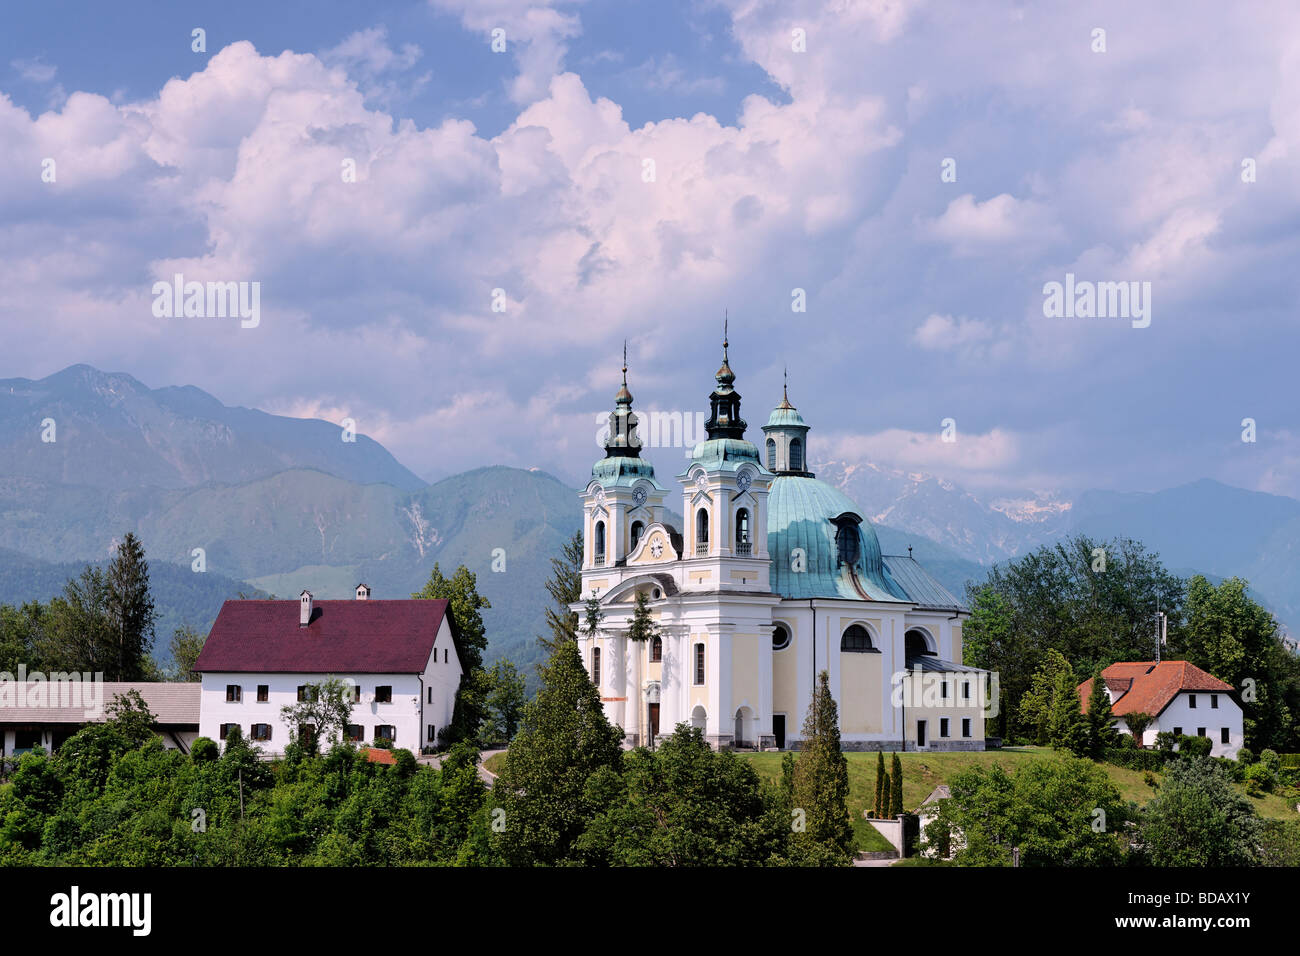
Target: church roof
x=918, y=584
x=802, y=514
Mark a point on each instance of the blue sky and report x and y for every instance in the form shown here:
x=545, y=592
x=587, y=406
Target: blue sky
x=777, y=168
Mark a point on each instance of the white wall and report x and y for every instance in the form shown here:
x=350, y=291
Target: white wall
x=1180, y=713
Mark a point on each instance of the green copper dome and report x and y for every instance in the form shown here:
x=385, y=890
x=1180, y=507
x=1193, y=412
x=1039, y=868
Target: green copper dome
x=840, y=552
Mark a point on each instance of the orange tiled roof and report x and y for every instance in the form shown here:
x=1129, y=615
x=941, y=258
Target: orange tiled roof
x=1151, y=686
x=379, y=755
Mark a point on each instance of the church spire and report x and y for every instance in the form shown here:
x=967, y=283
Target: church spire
x=725, y=420
x=623, y=441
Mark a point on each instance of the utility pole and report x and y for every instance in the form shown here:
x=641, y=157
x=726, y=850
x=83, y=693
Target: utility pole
x=1160, y=633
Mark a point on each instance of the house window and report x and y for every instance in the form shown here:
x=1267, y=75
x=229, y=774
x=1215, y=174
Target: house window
x=263, y=693
x=637, y=529
x=444, y=655
x=943, y=690
x=234, y=693
x=261, y=732
x=595, y=666
x=699, y=664
x=356, y=693
x=354, y=733
x=1178, y=731
x=430, y=695
x=302, y=692
x=702, y=530
x=600, y=542
x=943, y=726
x=965, y=690
x=1224, y=736
x=1214, y=702
x=855, y=638
x=771, y=454
x=307, y=734
x=1191, y=701
x=656, y=649
x=224, y=731
x=386, y=732
x=743, y=544
x=1200, y=731
x=384, y=694
x=780, y=637
x=431, y=735
x=965, y=726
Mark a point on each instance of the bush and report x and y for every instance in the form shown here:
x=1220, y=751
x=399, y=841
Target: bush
x=1272, y=761
x=1166, y=741
x=1195, y=746
x=1259, y=780
x=1134, y=759
x=1150, y=780
x=1245, y=756
x=203, y=750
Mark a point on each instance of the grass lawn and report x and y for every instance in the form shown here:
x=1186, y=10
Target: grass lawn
x=495, y=763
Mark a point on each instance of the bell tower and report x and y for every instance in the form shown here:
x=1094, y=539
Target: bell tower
x=785, y=448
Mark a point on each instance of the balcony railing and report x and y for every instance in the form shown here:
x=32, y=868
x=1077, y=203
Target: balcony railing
x=744, y=548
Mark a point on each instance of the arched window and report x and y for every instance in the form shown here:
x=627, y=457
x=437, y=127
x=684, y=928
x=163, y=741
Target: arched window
x=743, y=543
x=915, y=644
x=702, y=529
x=637, y=528
x=595, y=666
x=780, y=637
x=699, y=664
x=599, y=556
x=796, y=455
x=855, y=638
x=848, y=542
x=656, y=649
x=771, y=454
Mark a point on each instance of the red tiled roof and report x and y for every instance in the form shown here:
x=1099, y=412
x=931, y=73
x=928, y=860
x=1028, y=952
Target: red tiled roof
x=375, y=637
x=379, y=755
x=1151, y=686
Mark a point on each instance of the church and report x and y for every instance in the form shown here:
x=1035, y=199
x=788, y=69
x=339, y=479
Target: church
x=774, y=577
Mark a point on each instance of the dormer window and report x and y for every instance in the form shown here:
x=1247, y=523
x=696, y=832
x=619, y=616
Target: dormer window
x=848, y=541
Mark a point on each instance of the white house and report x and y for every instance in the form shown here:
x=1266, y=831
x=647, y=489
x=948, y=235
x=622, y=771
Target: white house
x=398, y=657
x=1179, y=696
x=775, y=577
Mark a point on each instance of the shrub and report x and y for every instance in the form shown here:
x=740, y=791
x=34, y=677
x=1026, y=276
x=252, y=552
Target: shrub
x=1195, y=746
x=1258, y=780
x=1245, y=756
x=1271, y=760
x=203, y=750
x=1150, y=780
x=1135, y=759
x=1166, y=741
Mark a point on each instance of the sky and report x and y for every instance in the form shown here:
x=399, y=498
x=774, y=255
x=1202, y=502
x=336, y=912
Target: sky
x=876, y=193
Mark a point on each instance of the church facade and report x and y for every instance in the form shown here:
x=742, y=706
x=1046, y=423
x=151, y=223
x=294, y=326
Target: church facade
x=774, y=577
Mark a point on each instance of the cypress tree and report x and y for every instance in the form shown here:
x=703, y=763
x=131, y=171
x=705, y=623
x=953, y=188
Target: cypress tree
x=885, y=797
x=1066, y=729
x=821, y=781
x=1099, y=720
x=879, y=809
x=130, y=611
x=896, y=789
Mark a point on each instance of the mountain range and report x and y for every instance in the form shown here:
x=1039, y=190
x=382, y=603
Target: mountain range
x=277, y=504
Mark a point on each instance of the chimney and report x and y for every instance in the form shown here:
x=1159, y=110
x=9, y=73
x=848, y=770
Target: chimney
x=363, y=593
x=304, y=608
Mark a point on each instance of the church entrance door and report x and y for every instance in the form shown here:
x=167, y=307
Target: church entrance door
x=778, y=730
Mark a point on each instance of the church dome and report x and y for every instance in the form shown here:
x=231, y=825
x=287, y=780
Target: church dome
x=840, y=551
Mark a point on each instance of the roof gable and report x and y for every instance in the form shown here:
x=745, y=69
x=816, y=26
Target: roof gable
x=1149, y=687
x=376, y=637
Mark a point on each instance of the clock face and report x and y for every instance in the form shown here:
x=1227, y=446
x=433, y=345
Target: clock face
x=744, y=479
x=638, y=496
x=701, y=480
x=657, y=547
x=600, y=495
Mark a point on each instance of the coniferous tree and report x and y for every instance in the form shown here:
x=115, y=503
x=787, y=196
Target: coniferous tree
x=1066, y=728
x=885, y=797
x=460, y=591
x=565, y=588
x=821, y=780
x=1099, y=721
x=564, y=739
x=592, y=615
x=642, y=627
x=130, y=611
x=896, y=788
x=878, y=811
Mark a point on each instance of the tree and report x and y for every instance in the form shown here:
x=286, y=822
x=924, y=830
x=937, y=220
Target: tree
x=886, y=797
x=1237, y=640
x=683, y=804
x=460, y=591
x=1099, y=721
x=1059, y=812
x=592, y=615
x=821, y=779
x=1138, y=723
x=326, y=707
x=1198, y=819
x=879, y=809
x=77, y=635
x=642, y=626
x=988, y=639
x=505, y=702
x=185, y=647
x=130, y=611
x=896, y=788
x=1066, y=729
x=563, y=740
x=1037, y=703
x=131, y=716
x=565, y=589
